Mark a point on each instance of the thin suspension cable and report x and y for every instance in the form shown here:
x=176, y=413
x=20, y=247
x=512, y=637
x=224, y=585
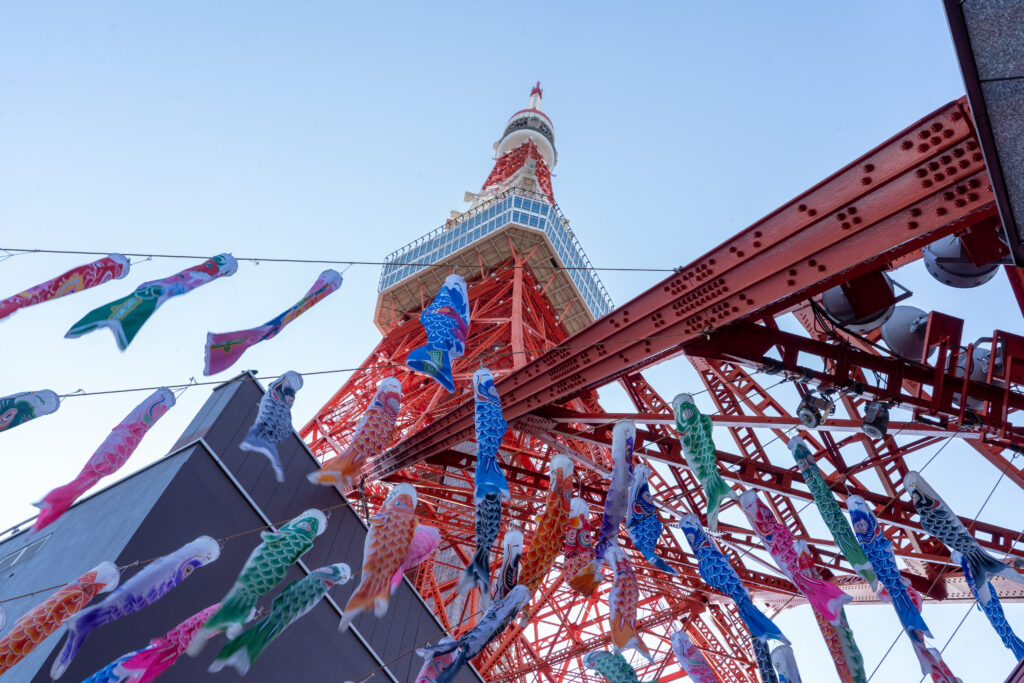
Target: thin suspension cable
x=941, y=448
x=809, y=503
x=970, y=608
x=939, y=574
x=194, y=383
x=369, y=675
x=220, y=541
x=378, y=366
x=335, y=262
x=241, y=533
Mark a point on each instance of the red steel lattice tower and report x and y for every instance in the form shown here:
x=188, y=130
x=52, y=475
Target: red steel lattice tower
x=543, y=324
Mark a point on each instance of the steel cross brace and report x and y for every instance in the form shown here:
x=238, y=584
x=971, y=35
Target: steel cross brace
x=883, y=206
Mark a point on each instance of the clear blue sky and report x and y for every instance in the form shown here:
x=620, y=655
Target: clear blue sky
x=349, y=129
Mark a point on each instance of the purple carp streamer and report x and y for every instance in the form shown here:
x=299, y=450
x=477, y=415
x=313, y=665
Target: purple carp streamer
x=151, y=583
x=18, y=409
x=274, y=420
x=126, y=316
x=223, y=349
x=616, y=504
x=112, y=267
x=692, y=659
x=112, y=454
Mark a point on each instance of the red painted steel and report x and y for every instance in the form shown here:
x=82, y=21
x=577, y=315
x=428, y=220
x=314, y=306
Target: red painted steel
x=510, y=163
x=721, y=310
x=801, y=249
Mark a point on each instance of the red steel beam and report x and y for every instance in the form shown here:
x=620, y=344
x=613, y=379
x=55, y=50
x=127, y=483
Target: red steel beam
x=893, y=200
x=563, y=416
x=748, y=344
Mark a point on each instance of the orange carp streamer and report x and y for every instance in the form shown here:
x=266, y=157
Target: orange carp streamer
x=371, y=437
x=549, y=539
x=623, y=600
x=386, y=546
x=835, y=648
x=34, y=627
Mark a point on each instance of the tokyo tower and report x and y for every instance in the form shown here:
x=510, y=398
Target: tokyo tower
x=544, y=325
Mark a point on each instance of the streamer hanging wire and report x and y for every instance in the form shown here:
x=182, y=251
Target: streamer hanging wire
x=221, y=541
x=334, y=262
x=742, y=553
x=489, y=355
x=939, y=575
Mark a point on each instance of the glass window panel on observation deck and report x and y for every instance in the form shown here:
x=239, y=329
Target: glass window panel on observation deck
x=536, y=213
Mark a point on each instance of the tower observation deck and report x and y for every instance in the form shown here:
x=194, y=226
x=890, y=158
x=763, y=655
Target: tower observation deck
x=515, y=211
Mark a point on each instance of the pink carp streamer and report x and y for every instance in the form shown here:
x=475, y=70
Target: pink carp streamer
x=112, y=454
x=691, y=659
x=112, y=267
x=371, y=437
x=424, y=543
x=223, y=349
x=931, y=661
x=34, y=627
x=623, y=600
x=824, y=597
x=162, y=652
x=435, y=665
